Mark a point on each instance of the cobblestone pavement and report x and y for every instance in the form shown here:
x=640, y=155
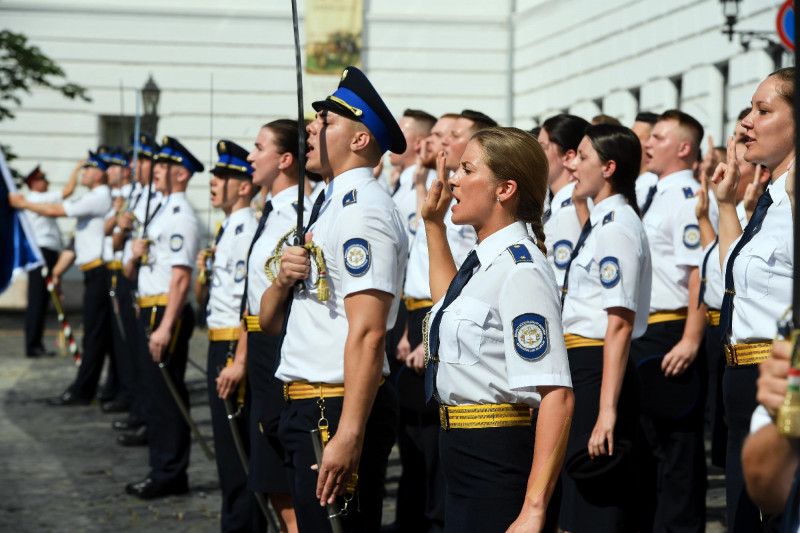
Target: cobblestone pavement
x=62, y=471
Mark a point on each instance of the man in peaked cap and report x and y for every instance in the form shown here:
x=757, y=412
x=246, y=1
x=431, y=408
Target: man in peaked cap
x=89, y=210
x=165, y=320
x=336, y=341
x=220, y=294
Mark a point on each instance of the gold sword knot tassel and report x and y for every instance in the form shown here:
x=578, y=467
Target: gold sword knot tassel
x=273, y=265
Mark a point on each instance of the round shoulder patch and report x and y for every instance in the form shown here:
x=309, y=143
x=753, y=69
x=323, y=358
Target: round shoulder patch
x=240, y=271
x=176, y=242
x=413, y=223
x=562, y=251
x=691, y=236
x=357, y=257
x=531, y=340
x=609, y=272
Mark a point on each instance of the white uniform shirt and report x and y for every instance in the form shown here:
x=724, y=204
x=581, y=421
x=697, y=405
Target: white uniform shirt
x=138, y=208
x=89, y=209
x=612, y=269
x=762, y=272
x=363, y=240
x=561, y=235
x=406, y=200
x=560, y=200
x=460, y=238
x=280, y=221
x=715, y=284
x=643, y=184
x=227, y=279
x=45, y=229
x=176, y=241
x=674, y=237
x=502, y=337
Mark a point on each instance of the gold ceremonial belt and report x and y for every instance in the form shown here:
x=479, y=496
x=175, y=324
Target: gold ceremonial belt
x=412, y=304
x=576, y=341
x=223, y=334
x=114, y=265
x=712, y=317
x=747, y=354
x=158, y=300
x=667, y=316
x=251, y=323
x=494, y=415
x=303, y=390
x=91, y=265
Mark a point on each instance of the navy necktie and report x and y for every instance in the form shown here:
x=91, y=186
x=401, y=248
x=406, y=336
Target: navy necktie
x=315, y=211
x=456, y=286
x=650, y=195
x=753, y=227
x=704, y=273
x=262, y=222
x=587, y=229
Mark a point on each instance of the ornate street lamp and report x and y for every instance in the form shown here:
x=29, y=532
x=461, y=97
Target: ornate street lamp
x=150, y=95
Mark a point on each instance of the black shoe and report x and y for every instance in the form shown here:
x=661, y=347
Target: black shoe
x=39, y=352
x=105, y=396
x=148, y=488
x=127, y=424
x=115, y=407
x=137, y=438
x=69, y=398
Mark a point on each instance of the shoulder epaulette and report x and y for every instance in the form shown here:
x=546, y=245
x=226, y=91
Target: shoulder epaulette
x=296, y=206
x=520, y=253
x=688, y=192
x=566, y=202
x=239, y=229
x=349, y=198
x=176, y=209
x=608, y=218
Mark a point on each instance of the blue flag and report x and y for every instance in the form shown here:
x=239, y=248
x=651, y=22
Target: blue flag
x=18, y=251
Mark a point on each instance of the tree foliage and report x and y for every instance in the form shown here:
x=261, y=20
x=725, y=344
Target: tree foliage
x=24, y=66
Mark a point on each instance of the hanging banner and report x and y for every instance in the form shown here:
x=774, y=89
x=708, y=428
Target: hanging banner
x=333, y=35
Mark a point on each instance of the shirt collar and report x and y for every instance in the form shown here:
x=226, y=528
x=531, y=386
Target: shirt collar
x=284, y=198
x=175, y=197
x=347, y=181
x=676, y=179
x=563, y=193
x=777, y=189
x=605, y=206
x=497, y=242
x=241, y=215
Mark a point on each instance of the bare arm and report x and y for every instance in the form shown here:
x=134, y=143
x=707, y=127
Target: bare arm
x=552, y=431
x=364, y=351
x=201, y=289
x=615, y=358
x=769, y=462
x=230, y=377
x=707, y=233
x=69, y=188
x=131, y=268
x=47, y=209
x=678, y=359
x=442, y=265
x=176, y=298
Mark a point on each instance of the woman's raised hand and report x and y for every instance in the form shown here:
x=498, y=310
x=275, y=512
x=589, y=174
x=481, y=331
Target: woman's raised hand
x=439, y=196
x=727, y=176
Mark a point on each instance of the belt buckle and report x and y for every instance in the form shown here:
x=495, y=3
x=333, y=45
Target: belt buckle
x=286, y=392
x=730, y=355
x=444, y=419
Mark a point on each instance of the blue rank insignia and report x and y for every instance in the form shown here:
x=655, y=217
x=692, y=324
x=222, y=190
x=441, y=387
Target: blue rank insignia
x=608, y=218
x=296, y=206
x=520, y=253
x=609, y=272
x=357, y=256
x=239, y=229
x=349, y=198
x=176, y=209
x=691, y=236
x=176, y=242
x=562, y=251
x=688, y=192
x=566, y=202
x=530, y=336
x=240, y=272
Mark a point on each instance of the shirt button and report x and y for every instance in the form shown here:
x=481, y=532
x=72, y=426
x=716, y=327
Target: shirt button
x=458, y=312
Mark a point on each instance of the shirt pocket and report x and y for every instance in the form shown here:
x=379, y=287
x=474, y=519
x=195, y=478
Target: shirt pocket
x=758, y=260
x=580, y=272
x=463, y=331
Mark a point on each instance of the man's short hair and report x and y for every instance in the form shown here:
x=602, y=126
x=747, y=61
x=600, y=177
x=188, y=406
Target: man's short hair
x=646, y=117
x=602, y=118
x=481, y=120
x=743, y=113
x=689, y=123
x=425, y=119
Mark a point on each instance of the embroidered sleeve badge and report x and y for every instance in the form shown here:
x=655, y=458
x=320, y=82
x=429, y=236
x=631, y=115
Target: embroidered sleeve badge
x=531, y=340
x=609, y=272
x=240, y=271
x=176, y=242
x=357, y=257
x=562, y=251
x=691, y=236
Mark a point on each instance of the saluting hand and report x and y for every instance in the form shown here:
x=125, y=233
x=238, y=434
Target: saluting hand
x=701, y=209
x=727, y=176
x=229, y=379
x=159, y=340
x=710, y=160
x=339, y=462
x=439, y=196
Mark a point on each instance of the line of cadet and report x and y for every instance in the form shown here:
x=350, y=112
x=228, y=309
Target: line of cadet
x=280, y=354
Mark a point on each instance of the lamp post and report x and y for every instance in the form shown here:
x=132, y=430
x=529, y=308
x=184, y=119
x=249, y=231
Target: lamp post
x=150, y=96
x=730, y=9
